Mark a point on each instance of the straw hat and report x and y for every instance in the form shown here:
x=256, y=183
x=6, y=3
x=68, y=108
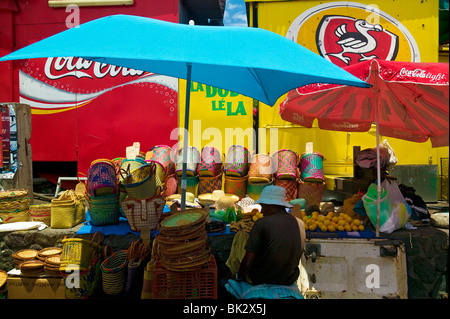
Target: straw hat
x=273, y=195
x=211, y=198
x=190, y=201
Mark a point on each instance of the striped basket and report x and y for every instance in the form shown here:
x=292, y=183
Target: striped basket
x=104, y=210
x=101, y=178
x=236, y=162
x=291, y=187
x=191, y=185
x=41, y=213
x=114, y=273
x=162, y=154
x=261, y=169
x=21, y=216
x=254, y=189
x=285, y=163
x=79, y=252
x=209, y=184
x=210, y=163
x=192, y=161
x=236, y=185
x=311, y=167
x=170, y=185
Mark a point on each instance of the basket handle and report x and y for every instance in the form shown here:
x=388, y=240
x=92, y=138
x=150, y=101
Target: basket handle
x=107, y=251
x=99, y=238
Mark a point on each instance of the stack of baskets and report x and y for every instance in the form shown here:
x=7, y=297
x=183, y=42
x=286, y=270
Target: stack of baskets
x=209, y=171
x=181, y=243
x=14, y=206
x=260, y=175
x=51, y=257
x=236, y=168
x=286, y=174
x=311, y=184
x=24, y=255
x=103, y=193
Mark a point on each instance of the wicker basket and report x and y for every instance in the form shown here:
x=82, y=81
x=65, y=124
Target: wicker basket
x=114, y=273
x=24, y=255
x=143, y=213
x=21, y=216
x=79, y=252
x=101, y=178
x=236, y=186
x=236, y=163
x=143, y=182
x=32, y=268
x=89, y=280
x=48, y=252
x=104, y=210
x=41, y=213
x=261, y=169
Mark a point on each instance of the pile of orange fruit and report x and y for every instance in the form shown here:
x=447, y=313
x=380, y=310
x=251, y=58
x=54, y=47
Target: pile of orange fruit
x=331, y=222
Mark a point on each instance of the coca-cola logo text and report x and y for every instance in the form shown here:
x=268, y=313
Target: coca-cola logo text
x=56, y=68
x=422, y=74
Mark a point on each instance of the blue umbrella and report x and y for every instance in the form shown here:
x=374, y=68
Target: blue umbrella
x=254, y=62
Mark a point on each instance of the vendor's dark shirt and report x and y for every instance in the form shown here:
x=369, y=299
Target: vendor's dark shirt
x=275, y=240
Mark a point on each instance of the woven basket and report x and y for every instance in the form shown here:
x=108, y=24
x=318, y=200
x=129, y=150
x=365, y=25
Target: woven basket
x=291, y=187
x=89, y=280
x=14, y=206
x=254, y=189
x=192, y=161
x=311, y=167
x=210, y=163
x=191, y=185
x=79, y=252
x=209, y=184
x=162, y=154
x=236, y=186
x=3, y=279
x=160, y=170
x=236, y=163
x=143, y=182
x=41, y=213
x=170, y=185
x=21, y=216
x=182, y=222
x=285, y=163
x=101, y=178
x=261, y=169
x=67, y=211
x=24, y=255
x=104, y=210
x=31, y=268
x=114, y=273
x=312, y=192
x=48, y=252
x=144, y=213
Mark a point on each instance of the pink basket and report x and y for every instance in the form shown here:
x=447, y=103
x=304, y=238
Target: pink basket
x=210, y=163
x=285, y=164
x=236, y=163
x=101, y=178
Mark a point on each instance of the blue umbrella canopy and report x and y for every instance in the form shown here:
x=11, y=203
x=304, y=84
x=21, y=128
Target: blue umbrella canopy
x=254, y=62
x=250, y=61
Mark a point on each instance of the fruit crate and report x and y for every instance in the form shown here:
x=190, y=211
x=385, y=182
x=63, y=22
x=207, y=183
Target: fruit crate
x=197, y=284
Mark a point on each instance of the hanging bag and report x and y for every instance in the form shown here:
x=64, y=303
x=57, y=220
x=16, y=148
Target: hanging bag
x=143, y=213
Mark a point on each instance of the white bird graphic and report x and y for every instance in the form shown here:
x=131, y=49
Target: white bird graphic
x=360, y=42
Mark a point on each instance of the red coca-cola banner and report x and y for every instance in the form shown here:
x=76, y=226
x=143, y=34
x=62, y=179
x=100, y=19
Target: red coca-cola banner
x=84, y=110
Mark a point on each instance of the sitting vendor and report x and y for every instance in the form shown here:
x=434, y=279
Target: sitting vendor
x=273, y=248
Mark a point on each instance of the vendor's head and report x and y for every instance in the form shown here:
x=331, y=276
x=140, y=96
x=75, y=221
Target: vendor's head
x=273, y=199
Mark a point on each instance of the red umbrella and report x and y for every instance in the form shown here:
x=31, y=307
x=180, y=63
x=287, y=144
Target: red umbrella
x=409, y=101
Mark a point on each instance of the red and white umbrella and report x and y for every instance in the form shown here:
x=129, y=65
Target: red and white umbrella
x=409, y=101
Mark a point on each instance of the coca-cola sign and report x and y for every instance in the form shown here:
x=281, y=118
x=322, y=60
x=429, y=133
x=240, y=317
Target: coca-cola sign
x=56, y=68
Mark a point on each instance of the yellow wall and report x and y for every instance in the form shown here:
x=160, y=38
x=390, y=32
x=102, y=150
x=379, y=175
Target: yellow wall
x=217, y=117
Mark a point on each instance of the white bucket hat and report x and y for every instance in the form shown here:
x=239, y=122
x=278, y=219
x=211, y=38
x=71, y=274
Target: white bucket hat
x=273, y=195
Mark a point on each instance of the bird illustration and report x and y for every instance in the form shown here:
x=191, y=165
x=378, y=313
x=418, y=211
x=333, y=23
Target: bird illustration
x=360, y=42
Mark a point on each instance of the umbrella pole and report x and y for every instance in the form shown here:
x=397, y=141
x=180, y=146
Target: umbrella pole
x=185, y=138
x=375, y=102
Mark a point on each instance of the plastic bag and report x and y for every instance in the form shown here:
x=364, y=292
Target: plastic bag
x=394, y=211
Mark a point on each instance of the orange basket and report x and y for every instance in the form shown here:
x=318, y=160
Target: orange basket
x=197, y=284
